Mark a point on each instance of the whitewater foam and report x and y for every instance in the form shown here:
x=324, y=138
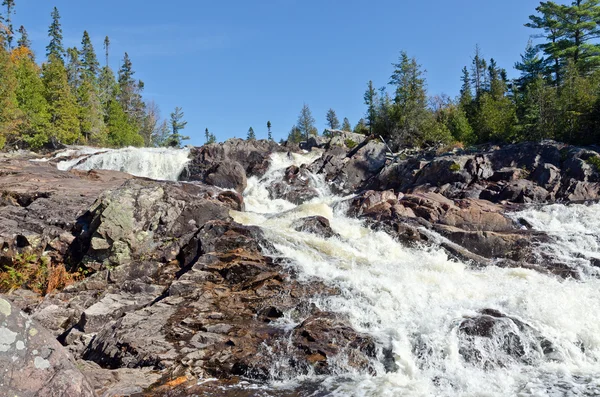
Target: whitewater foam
x=154, y=163
x=413, y=301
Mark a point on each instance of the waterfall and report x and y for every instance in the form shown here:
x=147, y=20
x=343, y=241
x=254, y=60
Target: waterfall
x=154, y=163
x=414, y=300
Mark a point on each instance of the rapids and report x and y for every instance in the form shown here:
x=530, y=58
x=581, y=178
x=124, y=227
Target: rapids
x=155, y=163
x=413, y=301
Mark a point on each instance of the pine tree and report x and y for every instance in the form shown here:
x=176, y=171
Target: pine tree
x=361, y=127
x=537, y=111
x=531, y=66
x=150, y=123
x=306, y=122
x=269, y=136
x=370, y=98
x=177, y=124
x=251, y=135
x=160, y=137
x=9, y=112
x=346, y=125
x=89, y=61
x=62, y=104
x=108, y=87
x=206, y=135
x=466, y=95
x=295, y=135
x=73, y=68
x=106, y=49
x=332, y=121
x=24, y=39
x=121, y=132
x=8, y=33
x=31, y=99
x=478, y=73
x=55, y=48
x=129, y=94
x=211, y=139
x=410, y=102
x=91, y=114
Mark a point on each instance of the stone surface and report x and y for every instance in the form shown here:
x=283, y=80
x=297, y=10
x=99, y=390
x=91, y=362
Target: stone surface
x=32, y=362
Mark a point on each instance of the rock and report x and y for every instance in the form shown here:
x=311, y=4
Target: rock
x=547, y=176
x=253, y=156
x=33, y=363
x=492, y=339
x=316, y=225
x=228, y=175
x=295, y=187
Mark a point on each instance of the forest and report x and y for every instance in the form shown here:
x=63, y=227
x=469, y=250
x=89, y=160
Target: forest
x=70, y=98
x=556, y=95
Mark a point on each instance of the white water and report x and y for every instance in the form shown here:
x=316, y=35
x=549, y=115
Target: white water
x=410, y=297
x=154, y=163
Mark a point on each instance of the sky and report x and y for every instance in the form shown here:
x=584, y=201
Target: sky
x=235, y=64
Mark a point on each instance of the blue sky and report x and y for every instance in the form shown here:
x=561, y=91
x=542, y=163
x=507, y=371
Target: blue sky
x=235, y=64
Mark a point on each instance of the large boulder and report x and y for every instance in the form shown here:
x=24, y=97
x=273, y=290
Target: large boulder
x=33, y=362
x=296, y=186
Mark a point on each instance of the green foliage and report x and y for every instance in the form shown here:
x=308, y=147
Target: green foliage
x=31, y=100
x=55, y=48
x=350, y=144
x=306, y=123
x=332, y=120
x=121, y=132
x=346, y=125
x=10, y=114
x=295, y=135
x=251, y=135
x=269, y=136
x=455, y=167
x=594, y=161
x=361, y=127
x=177, y=124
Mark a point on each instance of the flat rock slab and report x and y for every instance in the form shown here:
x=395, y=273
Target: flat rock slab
x=32, y=362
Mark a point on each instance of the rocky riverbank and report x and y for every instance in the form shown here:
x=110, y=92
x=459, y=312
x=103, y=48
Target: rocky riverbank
x=151, y=285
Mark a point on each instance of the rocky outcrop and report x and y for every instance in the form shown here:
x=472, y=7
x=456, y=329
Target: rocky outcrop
x=174, y=285
x=296, y=186
x=228, y=164
x=33, y=362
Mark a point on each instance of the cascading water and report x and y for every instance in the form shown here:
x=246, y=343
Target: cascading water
x=154, y=163
x=415, y=300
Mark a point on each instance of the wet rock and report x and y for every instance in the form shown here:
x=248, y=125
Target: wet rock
x=492, y=339
x=295, y=187
x=228, y=175
x=33, y=363
x=318, y=225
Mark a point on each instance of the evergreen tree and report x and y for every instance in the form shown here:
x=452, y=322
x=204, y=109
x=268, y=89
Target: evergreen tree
x=73, y=68
x=129, y=94
x=537, y=111
x=91, y=113
x=295, y=135
x=106, y=49
x=306, y=122
x=177, y=124
x=211, y=139
x=410, y=102
x=9, y=111
x=346, y=125
x=108, y=87
x=370, y=98
x=55, y=48
x=8, y=32
x=206, y=135
x=361, y=127
x=24, y=39
x=62, y=104
x=531, y=66
x=478, y=73
x=121, y=132
x=89, y=62
x=269, y=136
x=332, y=121
x=251, y=135
x=30, y=98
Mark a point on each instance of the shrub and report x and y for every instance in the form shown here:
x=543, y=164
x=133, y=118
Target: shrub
x=594, y=161
x=36, y=273
x=350, y=143
x=455, y=167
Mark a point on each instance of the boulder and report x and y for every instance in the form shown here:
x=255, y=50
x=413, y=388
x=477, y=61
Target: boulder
x=227, y=175
x=296, y=186
x=33, y=363
x=318, y=225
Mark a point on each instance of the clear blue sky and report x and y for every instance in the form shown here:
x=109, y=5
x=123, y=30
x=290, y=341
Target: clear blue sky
x=235, y=64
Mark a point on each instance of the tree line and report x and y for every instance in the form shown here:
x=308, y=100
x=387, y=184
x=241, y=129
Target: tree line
x=556, y=95
x=70, y=98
